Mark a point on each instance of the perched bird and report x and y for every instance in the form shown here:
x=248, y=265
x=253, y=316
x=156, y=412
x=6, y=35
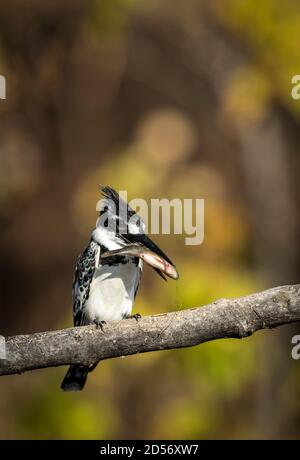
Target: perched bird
x=108, y=272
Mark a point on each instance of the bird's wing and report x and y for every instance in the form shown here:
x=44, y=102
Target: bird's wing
x=85, y=269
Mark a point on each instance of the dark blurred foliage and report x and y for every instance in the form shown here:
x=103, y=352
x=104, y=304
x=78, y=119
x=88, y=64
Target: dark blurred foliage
x=191, y=101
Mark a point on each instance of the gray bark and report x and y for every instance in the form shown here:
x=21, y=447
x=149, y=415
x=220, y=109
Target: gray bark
x=236, y=318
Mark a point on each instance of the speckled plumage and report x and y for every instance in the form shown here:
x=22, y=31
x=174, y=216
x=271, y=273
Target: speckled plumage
x=105, y=289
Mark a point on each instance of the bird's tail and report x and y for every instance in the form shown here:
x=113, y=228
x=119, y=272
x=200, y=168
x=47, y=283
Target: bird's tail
x=75, y=378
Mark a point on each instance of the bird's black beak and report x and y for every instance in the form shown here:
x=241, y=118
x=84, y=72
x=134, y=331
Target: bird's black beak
x=143, y=240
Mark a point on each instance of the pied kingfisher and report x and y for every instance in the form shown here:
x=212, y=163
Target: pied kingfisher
x=104, y=288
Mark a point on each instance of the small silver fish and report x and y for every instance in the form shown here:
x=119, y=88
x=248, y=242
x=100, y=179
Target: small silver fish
x=152, y=259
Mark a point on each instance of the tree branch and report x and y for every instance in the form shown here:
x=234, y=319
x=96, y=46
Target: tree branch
x=224, y=318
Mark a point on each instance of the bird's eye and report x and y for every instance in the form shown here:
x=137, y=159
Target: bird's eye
x=105, y=223
x=103, y=211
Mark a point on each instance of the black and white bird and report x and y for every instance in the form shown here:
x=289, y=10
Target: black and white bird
x=108, y=272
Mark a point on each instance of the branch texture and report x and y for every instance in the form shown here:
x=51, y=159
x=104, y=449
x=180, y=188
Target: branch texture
x=224, y=318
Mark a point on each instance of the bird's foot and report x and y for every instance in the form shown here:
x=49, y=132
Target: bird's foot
x=137, y=316
x=99, y=324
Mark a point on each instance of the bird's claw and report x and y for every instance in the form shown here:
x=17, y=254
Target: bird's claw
x=99, y=324
x=136, y=316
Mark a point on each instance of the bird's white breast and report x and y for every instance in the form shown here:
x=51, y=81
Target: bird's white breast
x=112, y=292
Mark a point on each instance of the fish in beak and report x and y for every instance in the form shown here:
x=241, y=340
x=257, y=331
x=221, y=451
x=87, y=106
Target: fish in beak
x=144, y=248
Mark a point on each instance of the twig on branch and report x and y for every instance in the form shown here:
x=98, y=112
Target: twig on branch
x=224, y=318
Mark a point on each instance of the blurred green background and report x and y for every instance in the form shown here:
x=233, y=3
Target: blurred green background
x=192, y=101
